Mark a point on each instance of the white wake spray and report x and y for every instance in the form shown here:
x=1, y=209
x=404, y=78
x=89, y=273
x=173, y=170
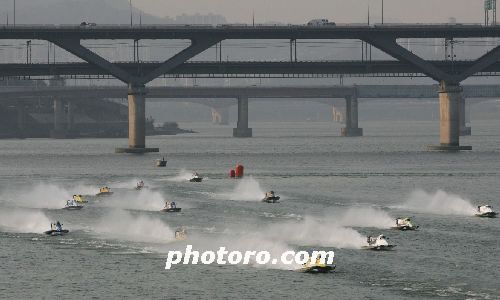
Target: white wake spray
x=440, y=202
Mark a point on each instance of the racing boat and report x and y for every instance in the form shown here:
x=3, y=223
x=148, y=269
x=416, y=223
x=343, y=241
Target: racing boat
x=196, y=178
x=72, y=205
x=104, y=191
x=140, y=185
x=485, y=211
x=171, y=207
x=378, y=243
x=316, y=269
x=404, y=224
x=79, y=199
x=56, y=230
x=181, y=234
x=161, y=162
x=271, y=198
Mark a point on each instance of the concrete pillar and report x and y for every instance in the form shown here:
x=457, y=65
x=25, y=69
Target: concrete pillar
x=351, y=118
x=464, y=129
x=21, y=119
x=59, y=131
x=242, y=129
x=136, y=121
x=450, y=96
x=220, y=115
x=137, y=117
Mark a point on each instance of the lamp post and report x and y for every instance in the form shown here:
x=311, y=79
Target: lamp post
x=131, y=15
x=382, y=11
x=14, y=12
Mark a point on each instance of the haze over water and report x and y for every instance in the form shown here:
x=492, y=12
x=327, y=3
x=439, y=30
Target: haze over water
x=335, y=192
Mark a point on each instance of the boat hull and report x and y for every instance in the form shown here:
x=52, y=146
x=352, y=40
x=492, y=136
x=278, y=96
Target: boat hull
x=171, y=210
x=379, y=248
x=271, y=199
x=104, y=194
x=56, y=233
x=196, y=179
x=73, y=207
x=405, y=228
x=487, y=215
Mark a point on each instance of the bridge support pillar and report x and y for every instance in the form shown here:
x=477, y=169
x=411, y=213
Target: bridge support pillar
x=59, y=131
x=351, y=118
x=21, y=119
x=450, y=96
x=220, y=115
x=242, y=130
x=136, y=122
x=464, y=129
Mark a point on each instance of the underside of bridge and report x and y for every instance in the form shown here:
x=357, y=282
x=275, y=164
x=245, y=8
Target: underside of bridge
x=452, y=103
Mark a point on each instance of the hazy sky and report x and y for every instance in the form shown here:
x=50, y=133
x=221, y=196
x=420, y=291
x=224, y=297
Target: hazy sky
x=342, y=11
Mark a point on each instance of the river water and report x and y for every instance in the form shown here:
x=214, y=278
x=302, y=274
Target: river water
x=335, y=192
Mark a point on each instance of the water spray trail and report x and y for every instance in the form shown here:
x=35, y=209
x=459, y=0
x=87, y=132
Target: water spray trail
x=440, y=202
x=24, y=221
x=248, y=189
x=125, y=226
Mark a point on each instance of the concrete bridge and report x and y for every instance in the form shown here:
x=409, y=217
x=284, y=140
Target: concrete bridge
x=220, y=98
x=383, y=37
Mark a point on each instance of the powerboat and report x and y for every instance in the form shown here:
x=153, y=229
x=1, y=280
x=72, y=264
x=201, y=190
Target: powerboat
x=56, y=230
x=271, y=198
x=104, y=191
x=378, y=243
x=181, y=234
x=79, y=199
x=161, y=162
x=171, y=207
x=404, y=224
x=196, y=178
x=72, y=205
x=140, y=185
x=485, y=211
x=316, y=269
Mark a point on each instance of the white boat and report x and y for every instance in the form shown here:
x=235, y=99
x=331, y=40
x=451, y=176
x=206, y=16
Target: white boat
x=404, y=224
x=485, y=211
x=72, y=205
x=378, y=243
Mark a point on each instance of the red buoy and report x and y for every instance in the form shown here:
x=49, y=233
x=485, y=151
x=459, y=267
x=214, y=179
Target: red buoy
x=239, y=171
x=232, y=173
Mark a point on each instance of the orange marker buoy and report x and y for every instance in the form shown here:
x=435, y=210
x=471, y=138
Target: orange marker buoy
x=239, y=171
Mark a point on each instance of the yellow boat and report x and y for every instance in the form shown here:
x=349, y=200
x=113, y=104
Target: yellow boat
x=79, y=199
x=104, y=191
